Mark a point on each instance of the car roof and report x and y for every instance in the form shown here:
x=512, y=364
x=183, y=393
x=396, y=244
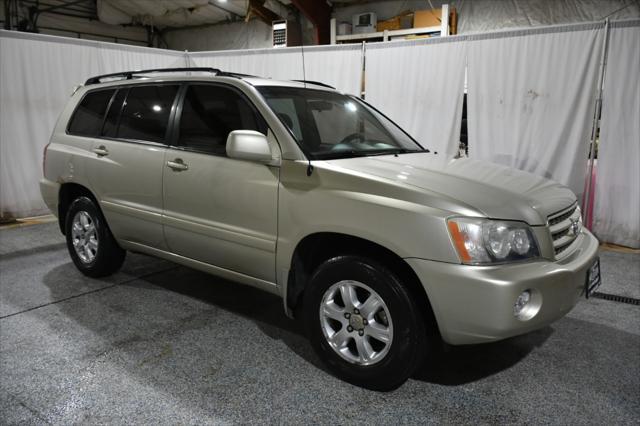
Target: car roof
x=201, y=74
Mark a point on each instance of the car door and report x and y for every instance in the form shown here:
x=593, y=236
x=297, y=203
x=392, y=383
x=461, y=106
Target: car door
x=219, y=210
x=128, y=159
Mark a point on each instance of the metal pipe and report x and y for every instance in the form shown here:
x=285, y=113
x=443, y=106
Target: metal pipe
x=7, y=15
x=586, y=199
x=363, y=81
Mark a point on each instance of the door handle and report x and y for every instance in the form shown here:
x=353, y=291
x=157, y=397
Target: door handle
x=101, y=151
x=177, y=165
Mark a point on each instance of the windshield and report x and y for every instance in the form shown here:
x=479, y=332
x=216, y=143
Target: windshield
x=330, y=125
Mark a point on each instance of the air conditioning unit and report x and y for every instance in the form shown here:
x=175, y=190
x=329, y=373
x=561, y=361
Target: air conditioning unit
x=364, y=23
x=285, y=33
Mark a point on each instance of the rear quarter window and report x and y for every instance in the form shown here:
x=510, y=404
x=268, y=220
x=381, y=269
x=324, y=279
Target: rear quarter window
x=89, y=114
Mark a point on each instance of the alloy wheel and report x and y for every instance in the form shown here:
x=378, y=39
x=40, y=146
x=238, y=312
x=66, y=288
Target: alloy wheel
x=356, y=322
x=84, y=237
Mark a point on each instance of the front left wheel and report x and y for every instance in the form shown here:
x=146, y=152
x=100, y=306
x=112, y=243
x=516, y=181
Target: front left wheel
x=91, y=245
x=363, y=322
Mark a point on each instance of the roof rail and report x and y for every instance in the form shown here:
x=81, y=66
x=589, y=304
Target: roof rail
x=128, y=75
x=317, y=83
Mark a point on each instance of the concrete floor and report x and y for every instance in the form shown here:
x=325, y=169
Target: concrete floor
x=159, y=343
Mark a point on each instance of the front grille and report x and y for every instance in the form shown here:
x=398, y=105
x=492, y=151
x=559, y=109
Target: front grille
x=564, y=227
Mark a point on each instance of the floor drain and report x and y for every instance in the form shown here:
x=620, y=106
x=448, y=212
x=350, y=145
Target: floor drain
x=616, y=298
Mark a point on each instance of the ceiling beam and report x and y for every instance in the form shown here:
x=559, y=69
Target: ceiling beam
x=319, y=13
x=256, y=8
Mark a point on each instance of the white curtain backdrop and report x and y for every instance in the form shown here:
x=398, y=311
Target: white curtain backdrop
x=420, y=86
x=531, y=98
x=37, y=76
x=617, y=205
x=339, y=66
x=280, y=64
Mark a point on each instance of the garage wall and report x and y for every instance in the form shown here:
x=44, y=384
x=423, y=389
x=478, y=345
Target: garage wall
x=37, y=76
x=254, y=34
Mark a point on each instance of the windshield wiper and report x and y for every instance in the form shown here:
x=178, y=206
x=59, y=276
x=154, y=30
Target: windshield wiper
x=399, y=151
x=352, y=153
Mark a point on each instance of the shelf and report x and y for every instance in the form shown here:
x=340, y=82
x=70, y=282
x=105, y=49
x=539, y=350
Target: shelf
x=386, y=35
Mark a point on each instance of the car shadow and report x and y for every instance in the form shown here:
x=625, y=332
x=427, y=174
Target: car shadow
x=449, y=366
x=264, y=309
x=458, y=365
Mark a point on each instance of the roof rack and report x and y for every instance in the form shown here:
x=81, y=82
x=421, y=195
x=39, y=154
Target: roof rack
x=128, y=75
x=317, y=83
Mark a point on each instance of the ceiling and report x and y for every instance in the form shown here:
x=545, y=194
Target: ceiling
x=178, y=13
x=159, y=13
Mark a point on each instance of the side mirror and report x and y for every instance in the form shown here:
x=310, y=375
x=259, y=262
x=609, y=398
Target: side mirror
x=248, y=145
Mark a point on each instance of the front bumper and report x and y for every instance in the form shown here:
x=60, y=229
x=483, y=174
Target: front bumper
x=474, y=304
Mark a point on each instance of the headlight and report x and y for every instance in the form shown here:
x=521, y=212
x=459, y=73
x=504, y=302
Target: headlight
x=484, y=241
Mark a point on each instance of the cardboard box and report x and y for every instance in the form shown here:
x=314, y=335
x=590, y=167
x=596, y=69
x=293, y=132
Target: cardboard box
x=389, y=24
x=417, y=37
x=401, y=21
x=427, y=18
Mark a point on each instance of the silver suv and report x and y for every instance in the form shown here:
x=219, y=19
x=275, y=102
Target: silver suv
x=380, y=247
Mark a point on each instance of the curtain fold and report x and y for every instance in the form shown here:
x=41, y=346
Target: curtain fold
x=420, y=86
x=37, y=76
x=617, y=200
x=531, y=100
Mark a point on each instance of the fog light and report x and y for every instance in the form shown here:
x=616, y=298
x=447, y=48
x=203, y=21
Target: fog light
x=521, y=303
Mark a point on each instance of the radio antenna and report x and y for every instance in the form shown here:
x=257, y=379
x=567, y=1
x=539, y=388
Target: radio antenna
x=304, y=81
x=304, y=71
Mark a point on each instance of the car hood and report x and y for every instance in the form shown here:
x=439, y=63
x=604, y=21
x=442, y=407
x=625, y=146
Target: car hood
x=496, y=191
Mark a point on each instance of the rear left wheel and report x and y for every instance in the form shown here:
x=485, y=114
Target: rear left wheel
x=91, y=245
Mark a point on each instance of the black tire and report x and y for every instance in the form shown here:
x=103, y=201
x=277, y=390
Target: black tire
x=109, y=256
x=409, y=344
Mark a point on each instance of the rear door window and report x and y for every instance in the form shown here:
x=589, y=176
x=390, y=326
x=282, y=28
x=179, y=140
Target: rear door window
x=110, y=128
x=89, y=115
x=210, y=113
x=145, y=113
